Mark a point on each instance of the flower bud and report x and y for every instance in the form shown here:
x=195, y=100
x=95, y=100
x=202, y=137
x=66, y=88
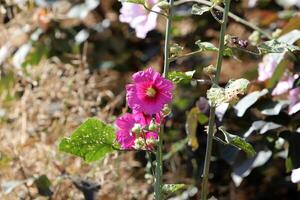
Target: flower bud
x=137, y=128
x=153, y=126
x=276, y=33
x=165, y=6
x=254, y=38
x=210, y=70
x=175, y=49
x=166, y=110
x=139, y=143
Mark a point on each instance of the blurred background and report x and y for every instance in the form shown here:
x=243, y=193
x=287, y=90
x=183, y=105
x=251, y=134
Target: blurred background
x=64, y=61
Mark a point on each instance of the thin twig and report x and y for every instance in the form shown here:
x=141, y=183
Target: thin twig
x=233, y=16
x=159, y=13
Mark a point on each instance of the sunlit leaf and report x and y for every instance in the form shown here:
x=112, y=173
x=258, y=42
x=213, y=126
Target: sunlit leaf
x=191, y=127
x=274, y=108
x=238, y=142
x=246, y=102
x=206, y=46
x=199, y=10
x=216, y=95
x=181, y=77
x=168, y=189
x=91, y=141
x=274, y=46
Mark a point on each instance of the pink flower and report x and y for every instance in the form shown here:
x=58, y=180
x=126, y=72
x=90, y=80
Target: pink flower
x=149, y=92
x=294, y=97
x=139, y=18
x=266, y=68
x=284, y=85
x=128, y=133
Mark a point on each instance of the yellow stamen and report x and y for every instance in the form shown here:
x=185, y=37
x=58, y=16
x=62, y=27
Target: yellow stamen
x=151, y=92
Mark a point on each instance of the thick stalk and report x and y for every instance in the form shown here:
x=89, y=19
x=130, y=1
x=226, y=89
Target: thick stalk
x=159, y=169
x=167, y=40
x=211, y=124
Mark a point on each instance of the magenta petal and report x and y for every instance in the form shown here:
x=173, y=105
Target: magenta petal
x=152, y=135
x=138, y=97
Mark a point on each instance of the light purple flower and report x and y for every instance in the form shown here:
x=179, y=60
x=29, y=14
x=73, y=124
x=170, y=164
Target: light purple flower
x=139, y=18
x=294, y=97
x=149, y=92
x=266, y=68
x=284, y=85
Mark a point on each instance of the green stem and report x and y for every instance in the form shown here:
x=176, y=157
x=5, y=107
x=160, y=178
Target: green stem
x=159, y=168
x=211, y=123
x=167, y=40
x=233, y=16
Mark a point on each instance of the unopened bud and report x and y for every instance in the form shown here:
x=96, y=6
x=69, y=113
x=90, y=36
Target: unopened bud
x=254, y=38
x=276, y=33
x=139, y=143
x=153, y=126
x=164, y=5
x=166, y=110
x=210, y=70
x=137, y=128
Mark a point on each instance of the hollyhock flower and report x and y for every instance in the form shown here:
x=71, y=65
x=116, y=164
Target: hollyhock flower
x=130, y=130
x=139, y=18
x=294, y=97
x=149, y=92
x=266, y=68
x=283, y=85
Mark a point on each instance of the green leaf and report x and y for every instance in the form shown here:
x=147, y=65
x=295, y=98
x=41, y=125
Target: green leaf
x=216, y=95
x=181, y=77
x=228, y=52
x=199, y=10
x=246, y=102
x=91, y=141
x=238, y=142
x=134, y=1
x=168, y=189
x=206, y=46
x=202, y=119
x=274, y=46
x=191, y=125
x=43, y=185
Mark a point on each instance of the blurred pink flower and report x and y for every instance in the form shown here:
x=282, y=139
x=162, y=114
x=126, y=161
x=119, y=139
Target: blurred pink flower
x=149, y=92
x=294, y=97
x=284, y=85
x=125, y=125
x=139, y=18
x=295, y=176
x=266, y=68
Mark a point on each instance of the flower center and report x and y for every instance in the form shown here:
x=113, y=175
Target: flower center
x=151, y=92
